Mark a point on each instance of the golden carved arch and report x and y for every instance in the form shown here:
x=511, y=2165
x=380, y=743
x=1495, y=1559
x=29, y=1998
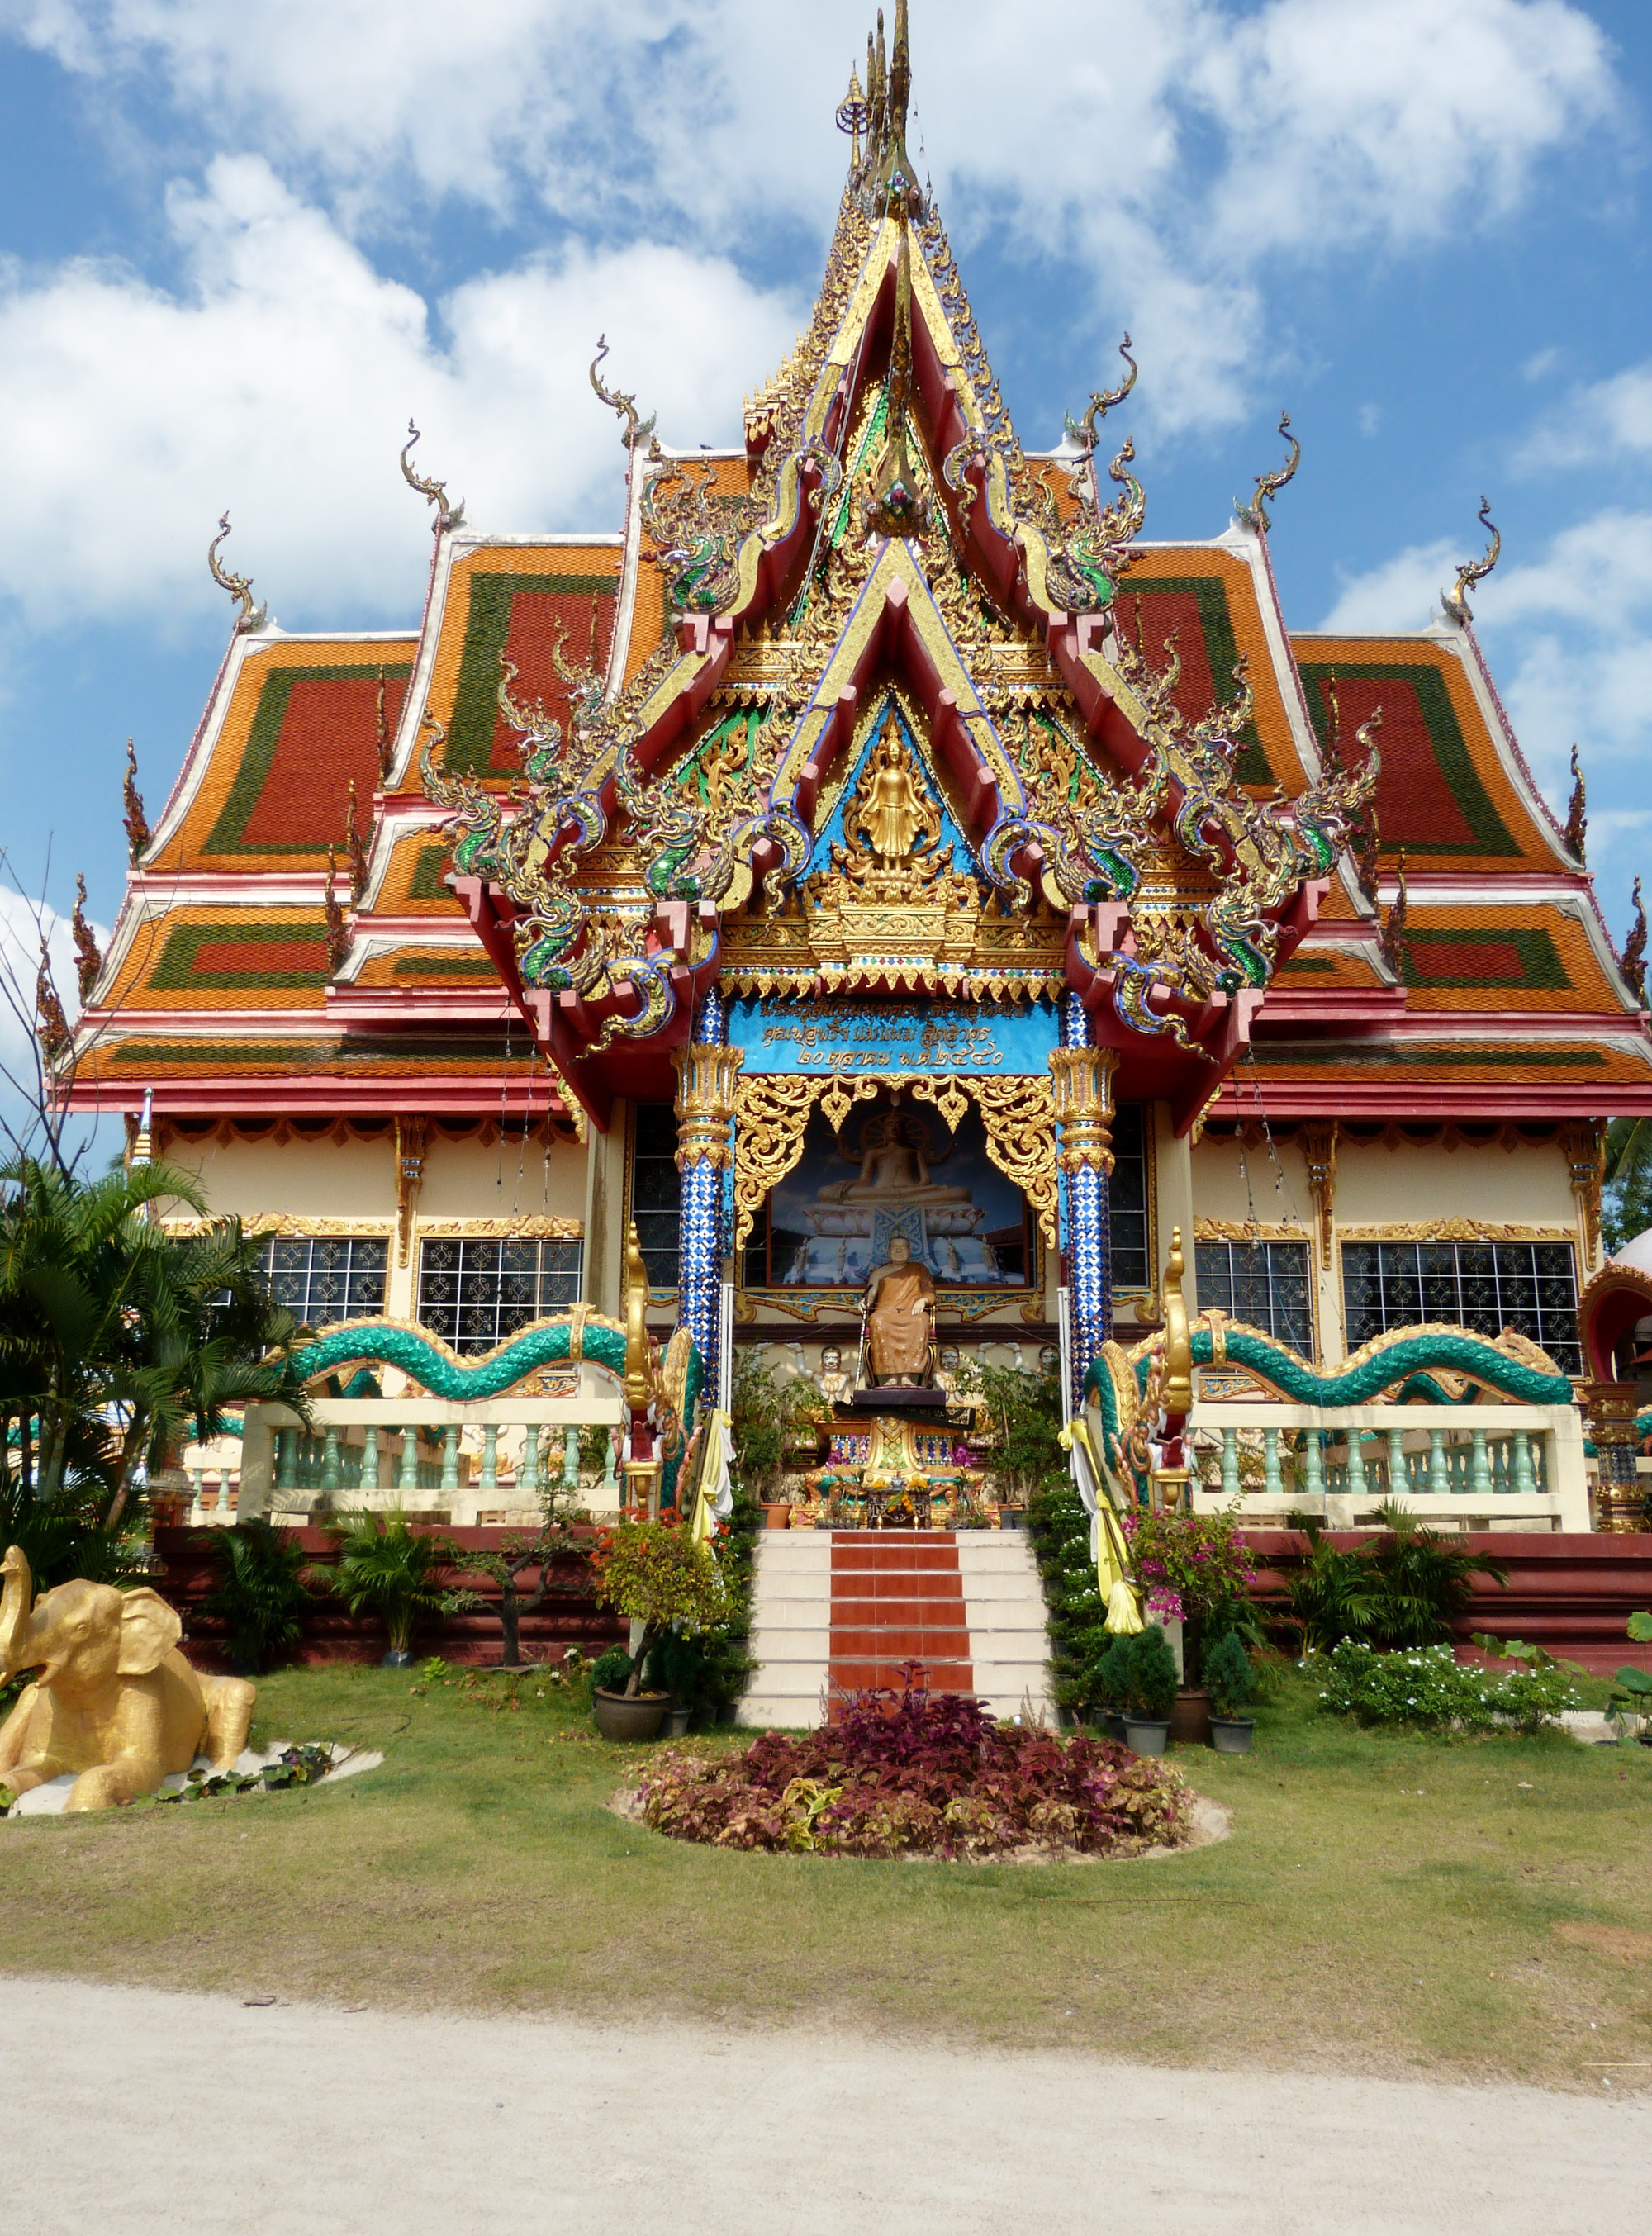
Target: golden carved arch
x=772, y=1113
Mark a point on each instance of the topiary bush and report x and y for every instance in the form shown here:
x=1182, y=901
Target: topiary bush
x=916, y=1773
x=1229, y=1677
x=1150, y=1676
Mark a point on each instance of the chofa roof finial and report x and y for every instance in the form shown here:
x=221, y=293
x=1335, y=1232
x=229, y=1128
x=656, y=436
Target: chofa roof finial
x=1633, y=965
x=1456, y=600
x=251, y=618
x=137, y=824
x=637, y=429
x=1256, y=515
x=433, y=492
x=1577, y=813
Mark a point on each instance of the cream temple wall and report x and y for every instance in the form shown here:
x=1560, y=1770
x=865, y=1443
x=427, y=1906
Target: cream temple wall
x=1382, y=1190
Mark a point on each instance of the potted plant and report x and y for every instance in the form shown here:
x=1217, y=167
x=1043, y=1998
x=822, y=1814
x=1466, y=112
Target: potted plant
x=1150, y=1691
x=387, y=1570
x=1232, y=1684
x=655, y=1575
x=1109, y=1685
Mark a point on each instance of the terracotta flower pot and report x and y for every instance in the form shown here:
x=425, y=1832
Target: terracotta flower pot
x=1190, y=1718
x=639, y=1718
x=1144, y=1736
x=777, y=1517
x=1232, y=1734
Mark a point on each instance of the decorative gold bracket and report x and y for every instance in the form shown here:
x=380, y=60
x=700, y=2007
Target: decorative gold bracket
x=411, y=1136
x=1320, y=1153
x=1585, y=1148
x=772, y=1113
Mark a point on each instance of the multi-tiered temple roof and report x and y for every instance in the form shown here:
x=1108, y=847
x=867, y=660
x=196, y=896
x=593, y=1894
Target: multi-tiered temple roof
x=491, y=863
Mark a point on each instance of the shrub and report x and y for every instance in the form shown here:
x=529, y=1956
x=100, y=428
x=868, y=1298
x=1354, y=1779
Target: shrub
x=261, y=1597
x=1427, y=1687
x=386, y=1569
x=1109, y=1675
x=655, y=1574
x=611, y=1670
x=909, y=1773
x=1197, y=1562
x=1229, y=1676
x=1151, y=1678
x=1078, y=1613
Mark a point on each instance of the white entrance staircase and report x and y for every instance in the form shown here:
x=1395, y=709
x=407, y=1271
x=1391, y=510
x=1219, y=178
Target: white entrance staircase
x=836, y=1610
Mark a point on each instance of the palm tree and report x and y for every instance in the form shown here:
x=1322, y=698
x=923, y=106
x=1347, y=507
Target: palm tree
x=119, y=1340
x=384, y=1569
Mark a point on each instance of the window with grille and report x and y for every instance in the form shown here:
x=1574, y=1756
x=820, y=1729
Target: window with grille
x=1127, y=1199
x=325, y=1278
x=656, y=1190
x=474, y=1294
x=1529, y=1287
x=1264, y=1284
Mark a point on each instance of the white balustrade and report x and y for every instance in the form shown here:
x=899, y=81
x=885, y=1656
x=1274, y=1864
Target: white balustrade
x=492, y=1455
x=1472, y=1466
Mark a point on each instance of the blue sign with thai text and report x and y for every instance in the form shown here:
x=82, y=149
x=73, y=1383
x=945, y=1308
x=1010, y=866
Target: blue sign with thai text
x=893, y=1037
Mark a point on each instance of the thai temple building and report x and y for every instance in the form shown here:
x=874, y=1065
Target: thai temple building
x=878, y=875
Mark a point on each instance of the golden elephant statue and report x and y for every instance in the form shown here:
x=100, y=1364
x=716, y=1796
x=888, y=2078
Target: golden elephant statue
x=114, y=1699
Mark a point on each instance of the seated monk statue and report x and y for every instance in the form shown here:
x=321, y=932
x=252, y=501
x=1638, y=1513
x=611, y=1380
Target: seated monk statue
x=900, y=1306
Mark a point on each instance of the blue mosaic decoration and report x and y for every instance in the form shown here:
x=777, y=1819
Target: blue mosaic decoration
x=700, y=1259
x=702, y=1243
x=1086, y=1232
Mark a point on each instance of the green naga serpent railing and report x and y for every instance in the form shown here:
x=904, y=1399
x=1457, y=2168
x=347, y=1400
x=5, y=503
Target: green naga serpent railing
x=1408, y=1365
x=434, y=1368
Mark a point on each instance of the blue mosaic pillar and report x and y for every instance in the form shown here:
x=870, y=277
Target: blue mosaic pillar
x=706, y=1071
x=1083, y=1077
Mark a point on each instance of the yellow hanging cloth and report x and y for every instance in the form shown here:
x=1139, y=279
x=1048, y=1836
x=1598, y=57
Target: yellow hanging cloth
x=1107, y=1543
x=714, y=1498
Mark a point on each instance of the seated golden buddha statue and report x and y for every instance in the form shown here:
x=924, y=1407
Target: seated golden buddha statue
x=894, y=1169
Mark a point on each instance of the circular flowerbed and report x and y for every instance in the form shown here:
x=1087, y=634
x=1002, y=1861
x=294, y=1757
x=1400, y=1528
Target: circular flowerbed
x=913, y=1774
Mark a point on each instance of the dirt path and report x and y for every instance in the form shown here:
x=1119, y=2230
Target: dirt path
x=166, y=2115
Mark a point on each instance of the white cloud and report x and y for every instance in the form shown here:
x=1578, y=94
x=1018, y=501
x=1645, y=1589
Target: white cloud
x=279, y=379
x=1599, y=422
x=1169, y=148
x=1402, y=592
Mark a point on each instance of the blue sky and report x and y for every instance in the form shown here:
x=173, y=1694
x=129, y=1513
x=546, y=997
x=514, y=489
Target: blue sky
x=237, y=246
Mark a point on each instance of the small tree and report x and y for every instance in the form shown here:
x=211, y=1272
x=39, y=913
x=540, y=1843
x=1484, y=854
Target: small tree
x=657, y=1576
x=519, y=1557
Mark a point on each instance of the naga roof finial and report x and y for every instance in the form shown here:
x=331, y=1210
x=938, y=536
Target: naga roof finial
x=1633, y=962
x=636, y=430
x=1083, y=432
x=1394, y=931
x=433, y=492
x=251, y=617
x=1256, y=515
x=51, y=1026
x=87, y=961
x=1456, y=600
x=1577, y=813
x=137, y=824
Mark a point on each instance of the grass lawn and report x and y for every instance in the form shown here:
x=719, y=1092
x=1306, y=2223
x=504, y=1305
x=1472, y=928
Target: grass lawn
x=1384, y=1905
